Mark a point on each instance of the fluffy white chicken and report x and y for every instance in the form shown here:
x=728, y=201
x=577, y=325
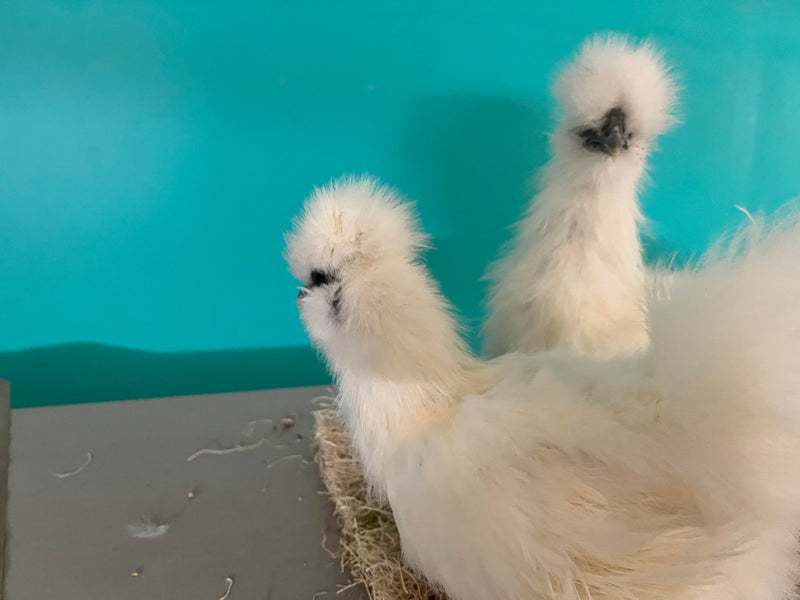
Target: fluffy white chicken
x=573, y=277
x=669, y=474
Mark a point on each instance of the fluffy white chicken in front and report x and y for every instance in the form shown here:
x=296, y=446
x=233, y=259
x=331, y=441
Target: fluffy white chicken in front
x=573, y=277
x=669, y=474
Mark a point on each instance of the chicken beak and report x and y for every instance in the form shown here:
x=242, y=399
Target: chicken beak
x=613, y=142
x=610, y=137
x=302, y=293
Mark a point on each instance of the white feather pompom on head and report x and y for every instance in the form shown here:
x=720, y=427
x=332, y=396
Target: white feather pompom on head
x=352, y=234
x=612, y=71
x=365, y=300
x=350, y=218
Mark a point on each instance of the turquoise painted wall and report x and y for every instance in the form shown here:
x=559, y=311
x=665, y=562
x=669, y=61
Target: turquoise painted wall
x=152, y=154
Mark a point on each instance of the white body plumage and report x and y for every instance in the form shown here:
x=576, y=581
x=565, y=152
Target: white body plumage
x=573, y=276
x=671, y=474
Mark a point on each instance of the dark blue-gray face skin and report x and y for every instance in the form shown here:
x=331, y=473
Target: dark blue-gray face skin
x=318, y=279
x=609, y=137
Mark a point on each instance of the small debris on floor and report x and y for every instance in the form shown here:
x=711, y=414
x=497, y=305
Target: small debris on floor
x=218, y=452
x=352, y=585
x=89, y=458
x=250, y=428
x=147, y=529
x=325, y=401
x=286, y=424
x=324, y=547
x=137, y=572
x=229, y=581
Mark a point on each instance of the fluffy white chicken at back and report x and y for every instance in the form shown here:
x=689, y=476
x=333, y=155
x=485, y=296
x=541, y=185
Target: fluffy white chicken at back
x=670, y=474
x=573, y=276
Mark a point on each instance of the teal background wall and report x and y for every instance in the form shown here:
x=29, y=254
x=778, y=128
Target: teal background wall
x=152, y=154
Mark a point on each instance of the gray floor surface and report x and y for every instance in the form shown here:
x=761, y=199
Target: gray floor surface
x=260, y=522
x=5, y=440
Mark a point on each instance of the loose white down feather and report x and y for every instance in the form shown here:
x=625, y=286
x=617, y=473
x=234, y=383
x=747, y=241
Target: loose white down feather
x=669, y=474
x=573, y=276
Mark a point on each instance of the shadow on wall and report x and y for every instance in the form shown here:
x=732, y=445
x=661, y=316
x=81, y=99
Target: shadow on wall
x=664, y=253
x=473, y=155
x=76, y=373
x=477, y=157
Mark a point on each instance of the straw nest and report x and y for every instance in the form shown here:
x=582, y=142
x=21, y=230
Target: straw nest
x=369, y=544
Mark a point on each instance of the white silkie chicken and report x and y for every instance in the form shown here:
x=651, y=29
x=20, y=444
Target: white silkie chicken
x=573, y=277
x=670, y=474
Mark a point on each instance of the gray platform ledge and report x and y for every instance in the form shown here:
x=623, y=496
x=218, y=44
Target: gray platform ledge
x=254, y=516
